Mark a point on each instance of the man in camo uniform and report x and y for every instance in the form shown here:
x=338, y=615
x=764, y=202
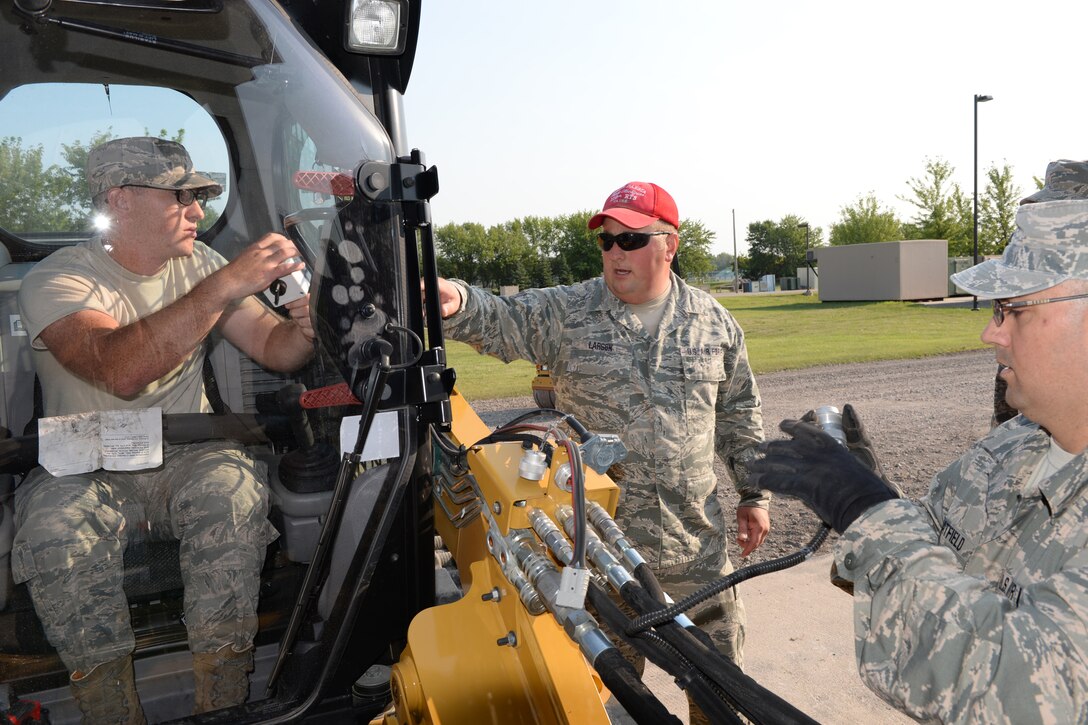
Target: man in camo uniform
x=973, y=605
x=1064, y=180
x=639, y=353
x=119, y=322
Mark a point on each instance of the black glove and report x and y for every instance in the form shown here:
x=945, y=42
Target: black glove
x=857, y=440
x=817, y=470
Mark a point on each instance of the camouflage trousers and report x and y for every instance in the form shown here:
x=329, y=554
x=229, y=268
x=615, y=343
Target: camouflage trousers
x=72, y=533
x=722, y=616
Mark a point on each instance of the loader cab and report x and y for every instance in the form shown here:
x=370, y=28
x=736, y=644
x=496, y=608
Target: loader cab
x=252, y=89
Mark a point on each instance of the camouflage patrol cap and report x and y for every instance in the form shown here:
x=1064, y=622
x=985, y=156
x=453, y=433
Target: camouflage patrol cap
x=1064, y=180
x=1049, y=246
x=144, y=161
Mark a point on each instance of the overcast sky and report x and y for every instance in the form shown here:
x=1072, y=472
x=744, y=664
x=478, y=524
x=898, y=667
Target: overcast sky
x=768, y=108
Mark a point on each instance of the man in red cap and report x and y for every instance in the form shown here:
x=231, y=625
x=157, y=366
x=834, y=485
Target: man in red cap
x=639, y=353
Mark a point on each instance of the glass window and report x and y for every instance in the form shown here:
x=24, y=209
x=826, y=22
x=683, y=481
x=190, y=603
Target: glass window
x=46, y=130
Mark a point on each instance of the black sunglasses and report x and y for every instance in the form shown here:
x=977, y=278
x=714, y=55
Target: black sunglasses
x=628, y=241
x=186, y=197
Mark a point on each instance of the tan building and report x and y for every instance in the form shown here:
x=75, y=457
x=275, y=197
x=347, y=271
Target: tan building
x=915, y=269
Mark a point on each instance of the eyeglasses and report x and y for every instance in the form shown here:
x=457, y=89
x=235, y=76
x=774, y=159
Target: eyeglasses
x=186, y=197
x=1001, y=307
x=628, y=241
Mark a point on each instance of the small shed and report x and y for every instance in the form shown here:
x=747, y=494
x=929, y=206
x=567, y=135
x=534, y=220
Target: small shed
x=914, y=269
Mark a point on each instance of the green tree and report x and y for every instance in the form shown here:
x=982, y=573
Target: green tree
x=510, y=256
x=694, y=251
x=944, y=211
x=33, y=196
x=864, y=221
x=39, y=198
x=997, y=210
x=723, y=260
x=779, y=248
x=460, y=247
x=576, y=244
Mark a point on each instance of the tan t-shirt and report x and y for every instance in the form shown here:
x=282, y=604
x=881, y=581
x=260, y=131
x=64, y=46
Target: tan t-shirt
x=85, y=277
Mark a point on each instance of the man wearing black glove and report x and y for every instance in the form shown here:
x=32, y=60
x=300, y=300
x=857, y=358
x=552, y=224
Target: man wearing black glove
x=972, y=605
x=816, y=469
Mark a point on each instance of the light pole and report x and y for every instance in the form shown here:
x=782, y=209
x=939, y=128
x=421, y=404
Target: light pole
x=736, y=266
x=805, y=225
x=978, y=99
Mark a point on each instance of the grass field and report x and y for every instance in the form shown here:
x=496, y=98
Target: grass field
x=783, y=332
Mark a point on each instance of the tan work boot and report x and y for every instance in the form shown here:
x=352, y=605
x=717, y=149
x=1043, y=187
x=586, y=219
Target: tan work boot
x=107, y=694
x=222, y=677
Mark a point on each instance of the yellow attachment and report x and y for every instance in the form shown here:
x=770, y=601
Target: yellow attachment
x=485, y=658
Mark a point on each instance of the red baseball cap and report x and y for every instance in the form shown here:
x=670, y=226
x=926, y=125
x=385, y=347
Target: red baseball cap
x=636, y=205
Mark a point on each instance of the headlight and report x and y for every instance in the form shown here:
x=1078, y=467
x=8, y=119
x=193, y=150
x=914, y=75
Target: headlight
x=376, y=26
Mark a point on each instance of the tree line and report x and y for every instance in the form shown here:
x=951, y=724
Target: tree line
x=942, y=211
x=545, y=251
x=40, y=197
x=542, y=251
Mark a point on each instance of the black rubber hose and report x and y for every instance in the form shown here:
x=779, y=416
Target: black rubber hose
x=616, y=620
x=662, y=653
x=699, y=688
x=646, y=577
x=784, y=562
x=579, y=429
x=621, y=677
x=751, y=699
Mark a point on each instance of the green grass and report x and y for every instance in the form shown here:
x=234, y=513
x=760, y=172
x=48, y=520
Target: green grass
x=787, y=332
x=783, y=332
x=482, y=377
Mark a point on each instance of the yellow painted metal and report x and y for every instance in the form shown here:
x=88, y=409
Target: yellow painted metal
x=488, y=660
x=455, y=671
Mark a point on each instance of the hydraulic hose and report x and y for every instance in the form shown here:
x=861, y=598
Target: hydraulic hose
x=766, y=567
x=751, y=699
x=621, y=677
x=667, y=658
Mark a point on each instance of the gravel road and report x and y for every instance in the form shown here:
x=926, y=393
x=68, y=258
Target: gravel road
x=921, y=415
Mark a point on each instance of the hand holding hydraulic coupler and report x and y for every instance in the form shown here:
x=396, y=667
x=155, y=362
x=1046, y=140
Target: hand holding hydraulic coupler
x=816, y=469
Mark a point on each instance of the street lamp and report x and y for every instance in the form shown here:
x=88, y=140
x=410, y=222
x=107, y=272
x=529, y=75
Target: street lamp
x=736, y=265
x=805, y=225
x=978, y=99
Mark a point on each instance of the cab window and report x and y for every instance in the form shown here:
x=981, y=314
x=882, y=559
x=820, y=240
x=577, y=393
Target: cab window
x=46, y=131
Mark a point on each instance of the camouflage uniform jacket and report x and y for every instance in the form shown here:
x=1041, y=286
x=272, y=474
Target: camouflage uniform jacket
x=674, y=398
x=974, y=606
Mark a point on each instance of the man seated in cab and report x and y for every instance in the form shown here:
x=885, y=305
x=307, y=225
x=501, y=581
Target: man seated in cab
x=120, y=322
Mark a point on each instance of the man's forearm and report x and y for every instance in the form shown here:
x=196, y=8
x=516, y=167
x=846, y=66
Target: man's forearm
x=287, y=348
x=127, y=359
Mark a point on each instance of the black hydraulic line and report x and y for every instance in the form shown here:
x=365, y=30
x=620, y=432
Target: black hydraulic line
x=666, y=657
x=661, y=616
x=315, y=572
x=751, y=699
x=646, y=577
x=501, y=436
x=663, y=654
x=579, y=429
x=708, y=698
x=578, y=502
x=623, y=680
